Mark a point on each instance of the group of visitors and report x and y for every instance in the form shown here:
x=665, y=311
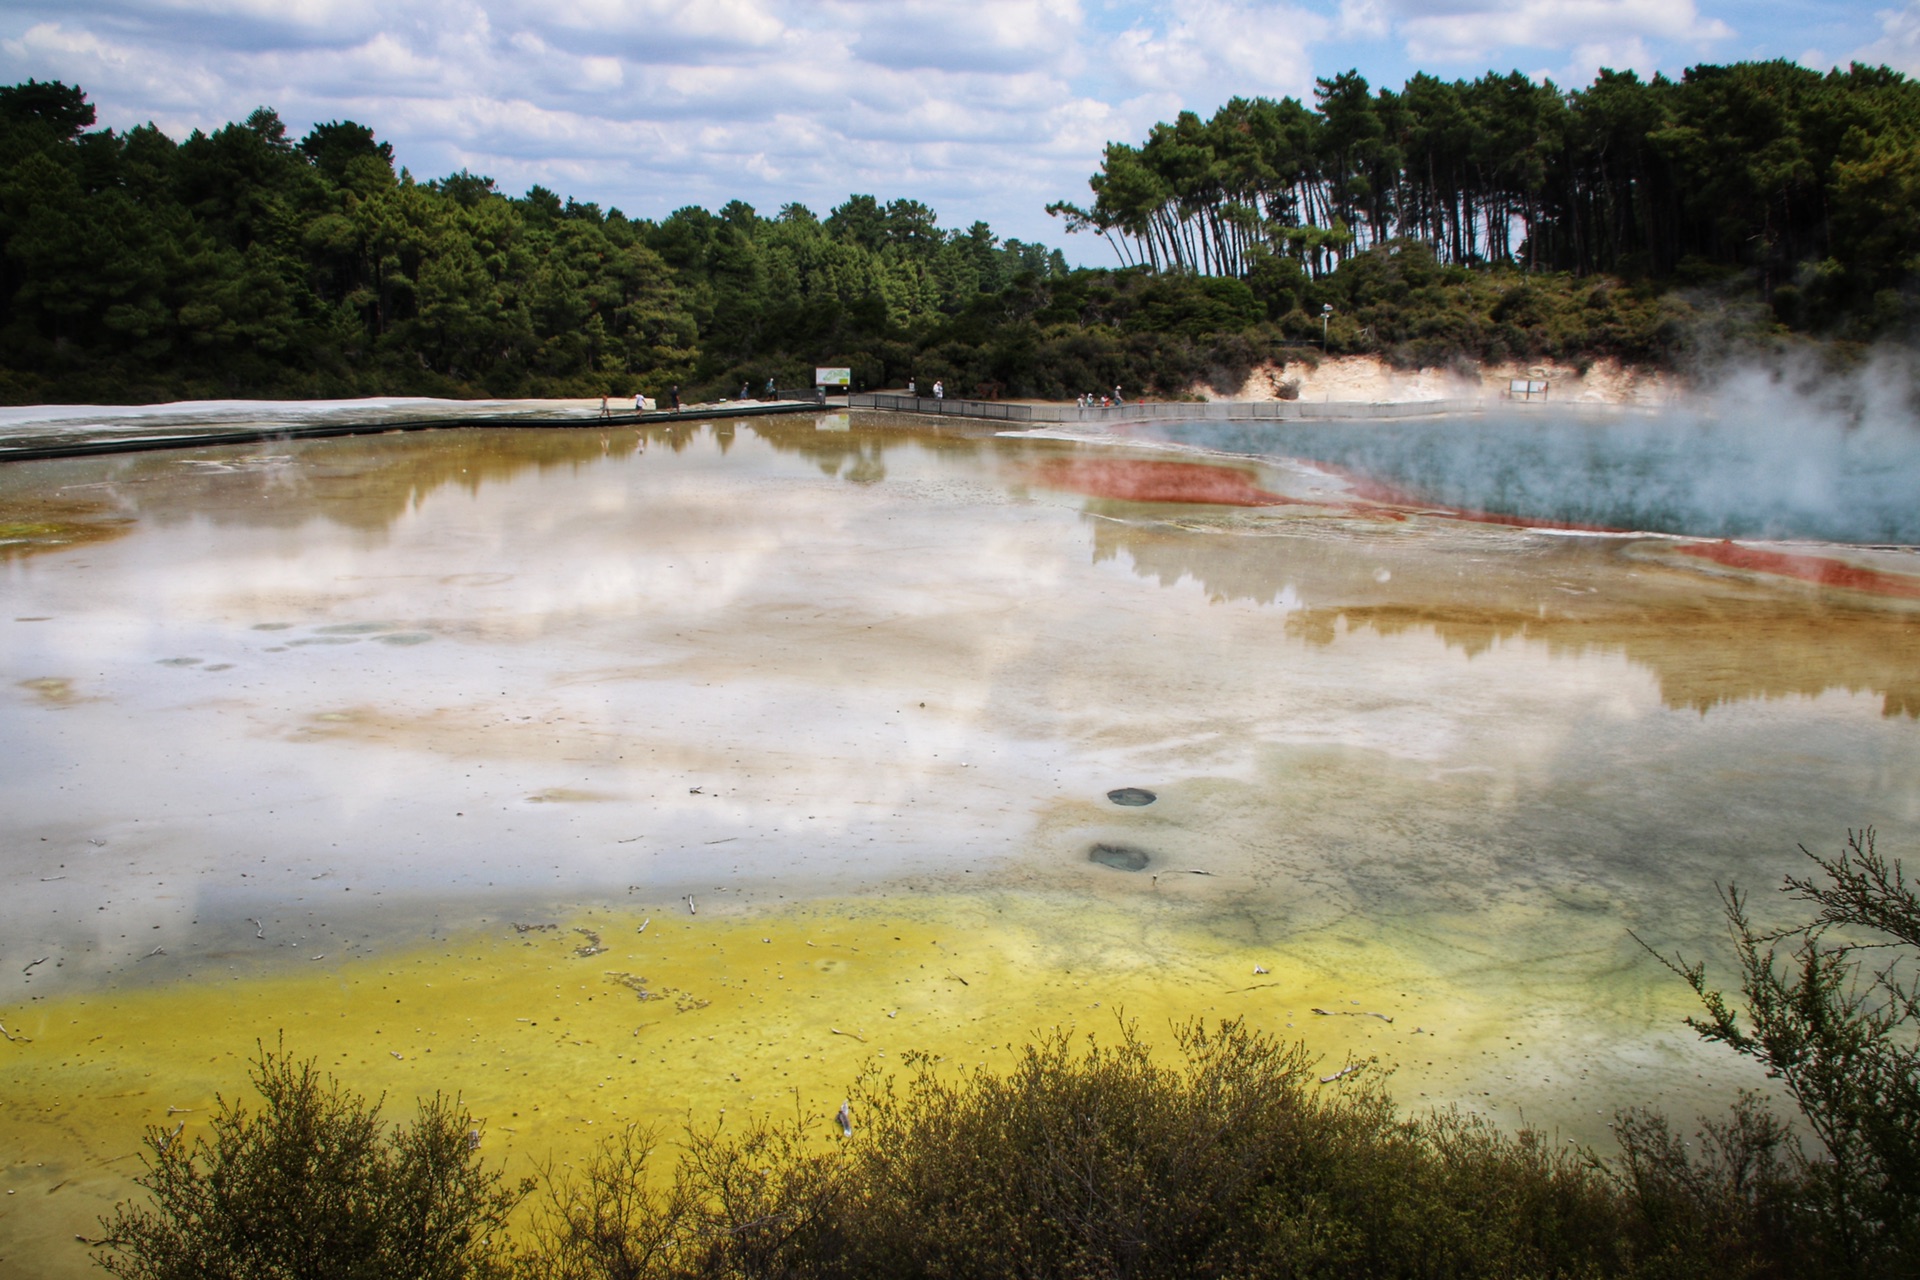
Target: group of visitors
x=641, y=404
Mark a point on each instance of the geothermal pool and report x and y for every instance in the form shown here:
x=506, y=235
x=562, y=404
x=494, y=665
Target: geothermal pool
x=649, y=775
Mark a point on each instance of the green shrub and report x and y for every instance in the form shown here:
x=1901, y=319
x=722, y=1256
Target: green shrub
x=1228, y=1156
x=1843, y=1037
x=314, y=1186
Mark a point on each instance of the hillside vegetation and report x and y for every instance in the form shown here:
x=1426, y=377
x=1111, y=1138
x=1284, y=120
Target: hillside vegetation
x=1490, y=219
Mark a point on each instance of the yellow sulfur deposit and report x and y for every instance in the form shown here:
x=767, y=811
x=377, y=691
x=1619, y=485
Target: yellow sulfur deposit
x=553, y=1030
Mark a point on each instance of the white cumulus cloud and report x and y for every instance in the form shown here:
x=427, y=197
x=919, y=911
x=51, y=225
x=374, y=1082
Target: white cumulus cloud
x=982, y=108
x=1460, y=30
x=1216, y=49
x=1899, y=43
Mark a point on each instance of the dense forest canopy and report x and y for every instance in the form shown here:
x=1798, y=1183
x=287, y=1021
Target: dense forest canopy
x=1808, y=180
x=243, y=260
x=1492, y=219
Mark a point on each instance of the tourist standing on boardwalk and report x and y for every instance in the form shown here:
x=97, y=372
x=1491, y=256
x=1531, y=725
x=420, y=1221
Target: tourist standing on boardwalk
x=675, y=393
x=939, y=390
x=605, y=412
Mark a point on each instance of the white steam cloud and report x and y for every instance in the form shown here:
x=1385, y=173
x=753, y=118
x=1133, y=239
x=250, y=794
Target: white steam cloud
x=1776, y=454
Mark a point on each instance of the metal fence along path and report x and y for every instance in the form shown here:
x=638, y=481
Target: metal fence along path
x=1179, y=411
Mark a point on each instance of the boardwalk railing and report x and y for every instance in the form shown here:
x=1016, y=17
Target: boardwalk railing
x=1186, y=411
x=950, y=407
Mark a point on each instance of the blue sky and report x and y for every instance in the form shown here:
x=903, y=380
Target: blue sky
x=981, y=108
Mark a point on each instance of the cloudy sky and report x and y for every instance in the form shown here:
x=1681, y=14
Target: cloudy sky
x=982, y=108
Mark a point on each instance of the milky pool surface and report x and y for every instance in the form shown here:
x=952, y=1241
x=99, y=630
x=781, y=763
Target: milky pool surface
x=397, y=744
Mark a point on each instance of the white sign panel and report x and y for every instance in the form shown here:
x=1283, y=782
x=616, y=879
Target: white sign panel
x=832, y=377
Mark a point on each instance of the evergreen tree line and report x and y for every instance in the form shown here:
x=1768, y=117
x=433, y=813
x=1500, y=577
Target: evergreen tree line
x=244, y=262
x=1493, y=219
x=1807, y=181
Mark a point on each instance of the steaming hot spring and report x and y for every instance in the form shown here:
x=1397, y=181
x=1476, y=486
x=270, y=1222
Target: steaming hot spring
x=609, y=775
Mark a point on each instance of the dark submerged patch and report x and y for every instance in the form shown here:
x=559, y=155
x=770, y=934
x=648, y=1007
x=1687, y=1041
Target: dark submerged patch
x=1121, y=857
x=1133, y=797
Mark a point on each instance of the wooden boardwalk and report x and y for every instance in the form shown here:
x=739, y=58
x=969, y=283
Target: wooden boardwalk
x=1161, y=411
x=82, y=439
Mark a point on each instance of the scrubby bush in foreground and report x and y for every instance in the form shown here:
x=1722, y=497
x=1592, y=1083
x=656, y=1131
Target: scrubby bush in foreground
x=1229, y=1156
x=1232, y=1157
x=314, y=1186
x=1837, y=1021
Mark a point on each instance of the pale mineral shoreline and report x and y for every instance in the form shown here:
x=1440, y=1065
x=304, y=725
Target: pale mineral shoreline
x=1331, y=379
x=1371, y=380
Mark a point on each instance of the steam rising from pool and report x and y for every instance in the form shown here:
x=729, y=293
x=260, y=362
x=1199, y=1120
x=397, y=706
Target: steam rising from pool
x=1765, y=454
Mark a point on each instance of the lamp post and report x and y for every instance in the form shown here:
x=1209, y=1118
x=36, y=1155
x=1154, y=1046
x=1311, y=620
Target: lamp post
x=1326, y=314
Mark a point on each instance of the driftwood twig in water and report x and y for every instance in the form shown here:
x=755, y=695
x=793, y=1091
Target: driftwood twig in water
x=1347, y=1070
x=848, y=1034
x=1352, y=1013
